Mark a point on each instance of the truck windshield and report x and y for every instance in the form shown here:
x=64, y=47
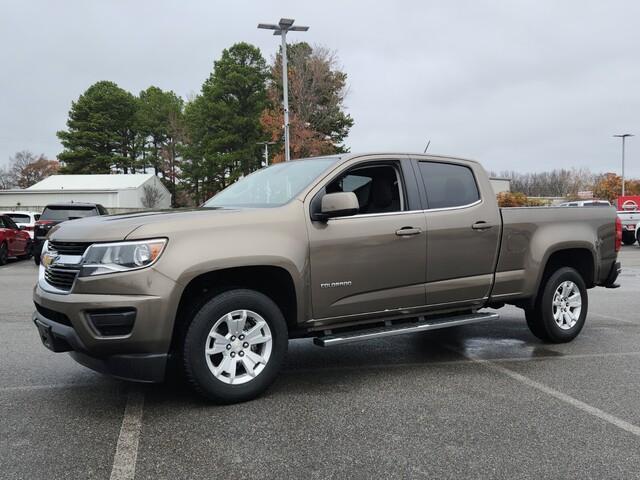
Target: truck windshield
x=272, y=186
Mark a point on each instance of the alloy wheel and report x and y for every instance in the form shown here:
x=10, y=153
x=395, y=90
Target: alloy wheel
x=567, y=305
x=238, y=347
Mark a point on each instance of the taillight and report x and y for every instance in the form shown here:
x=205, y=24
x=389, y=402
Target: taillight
x=44, y=222
x=618, y=234
x=28, y=228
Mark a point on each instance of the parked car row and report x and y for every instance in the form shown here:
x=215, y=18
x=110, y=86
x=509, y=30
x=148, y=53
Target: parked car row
x=22, y=233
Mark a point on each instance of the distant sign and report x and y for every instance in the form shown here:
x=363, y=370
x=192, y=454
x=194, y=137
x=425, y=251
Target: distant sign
x=629, y=203
x=585, y=194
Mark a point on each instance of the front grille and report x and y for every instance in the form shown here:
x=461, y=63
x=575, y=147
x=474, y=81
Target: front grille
x=53, y=315
x=69, y=248
x=61, y=277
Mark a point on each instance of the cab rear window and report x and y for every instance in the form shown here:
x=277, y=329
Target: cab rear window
x=449, y=185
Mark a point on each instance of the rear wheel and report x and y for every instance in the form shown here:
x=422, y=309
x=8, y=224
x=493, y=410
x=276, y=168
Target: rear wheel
x=4, y=254
x=235, y=345
x=561, y=308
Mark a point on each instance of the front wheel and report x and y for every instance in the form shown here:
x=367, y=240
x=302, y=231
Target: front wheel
x=561, y=308
x=235, y=346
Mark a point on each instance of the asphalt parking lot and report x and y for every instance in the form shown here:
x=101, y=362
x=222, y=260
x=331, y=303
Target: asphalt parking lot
x=481, y=401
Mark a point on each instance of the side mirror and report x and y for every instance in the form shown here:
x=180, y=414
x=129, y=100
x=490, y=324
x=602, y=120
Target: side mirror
x=339, y=204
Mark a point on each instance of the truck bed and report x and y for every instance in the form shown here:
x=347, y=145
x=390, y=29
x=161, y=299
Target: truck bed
x=530, y=235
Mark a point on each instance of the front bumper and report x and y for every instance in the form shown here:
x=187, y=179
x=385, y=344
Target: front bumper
x=146, y=367
x=68, y=323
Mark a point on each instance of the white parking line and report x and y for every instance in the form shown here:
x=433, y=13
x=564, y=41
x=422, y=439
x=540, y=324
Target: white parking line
x=124, y=461
x=574, y=402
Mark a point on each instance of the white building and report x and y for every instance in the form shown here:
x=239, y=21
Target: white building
x=118, y=193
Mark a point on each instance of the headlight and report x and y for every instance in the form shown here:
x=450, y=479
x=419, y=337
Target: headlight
x=101, y=258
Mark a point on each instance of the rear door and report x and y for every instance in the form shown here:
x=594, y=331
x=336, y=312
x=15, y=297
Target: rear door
x=463, y=232
x=372, y=263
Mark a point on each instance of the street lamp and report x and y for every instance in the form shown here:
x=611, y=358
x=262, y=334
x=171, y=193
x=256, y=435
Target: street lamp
x=266, y=150
x=623, y=137
x=284, y=25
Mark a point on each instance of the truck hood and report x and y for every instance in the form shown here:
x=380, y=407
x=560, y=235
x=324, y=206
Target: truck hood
x=109, y=228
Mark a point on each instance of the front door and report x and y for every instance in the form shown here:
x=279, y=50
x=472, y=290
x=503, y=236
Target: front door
x=373, y=262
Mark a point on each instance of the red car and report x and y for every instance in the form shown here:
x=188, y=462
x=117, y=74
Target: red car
x=14, y=242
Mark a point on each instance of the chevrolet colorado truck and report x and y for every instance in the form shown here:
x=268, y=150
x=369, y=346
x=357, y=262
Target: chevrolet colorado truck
x=341, y=249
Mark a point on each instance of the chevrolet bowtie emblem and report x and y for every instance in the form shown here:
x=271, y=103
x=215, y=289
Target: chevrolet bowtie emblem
x=48, y=259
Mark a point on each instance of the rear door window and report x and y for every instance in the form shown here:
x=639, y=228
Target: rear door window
x=448, y=185
x=19, y=217
x=60, y=214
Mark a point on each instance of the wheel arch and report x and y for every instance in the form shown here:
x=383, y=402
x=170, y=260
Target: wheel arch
x=275, y=282
x=582, y=259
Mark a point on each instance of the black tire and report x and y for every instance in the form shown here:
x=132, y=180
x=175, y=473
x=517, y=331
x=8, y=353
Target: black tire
x=4, y=254
x=29, y=251
x=628, y=238
x=540, y=318
x=37, y=252
x=197, y=370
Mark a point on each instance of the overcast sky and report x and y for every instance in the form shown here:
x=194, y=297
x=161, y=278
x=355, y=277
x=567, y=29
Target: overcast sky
x=525, y=85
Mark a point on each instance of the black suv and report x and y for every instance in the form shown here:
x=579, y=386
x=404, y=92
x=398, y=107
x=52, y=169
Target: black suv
x=56, y=213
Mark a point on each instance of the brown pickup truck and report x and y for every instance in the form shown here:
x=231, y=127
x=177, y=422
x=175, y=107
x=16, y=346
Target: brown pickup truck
x=341, y=248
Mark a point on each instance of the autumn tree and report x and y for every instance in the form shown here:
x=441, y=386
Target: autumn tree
x=609, y=186
x=317, y=90
x=26, y=169
x=100, y=133
x=517, y=199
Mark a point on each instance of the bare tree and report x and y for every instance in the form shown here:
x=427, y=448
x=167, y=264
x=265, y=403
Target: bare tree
x=6, y=179
x=26, y=169
x=151, y=196
x=554, y=183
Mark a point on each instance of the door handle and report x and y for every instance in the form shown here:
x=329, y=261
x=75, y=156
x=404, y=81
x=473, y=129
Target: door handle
x=408, y=231
x=481, y=225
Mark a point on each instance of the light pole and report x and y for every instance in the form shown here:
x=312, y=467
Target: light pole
x=266, y=151
x=623, y=137
x=284, y=25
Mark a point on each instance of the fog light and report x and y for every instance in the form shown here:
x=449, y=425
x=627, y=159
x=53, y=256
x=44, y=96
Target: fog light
x=112, y=322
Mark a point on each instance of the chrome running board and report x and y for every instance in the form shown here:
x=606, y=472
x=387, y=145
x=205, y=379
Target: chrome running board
x=422, y=325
